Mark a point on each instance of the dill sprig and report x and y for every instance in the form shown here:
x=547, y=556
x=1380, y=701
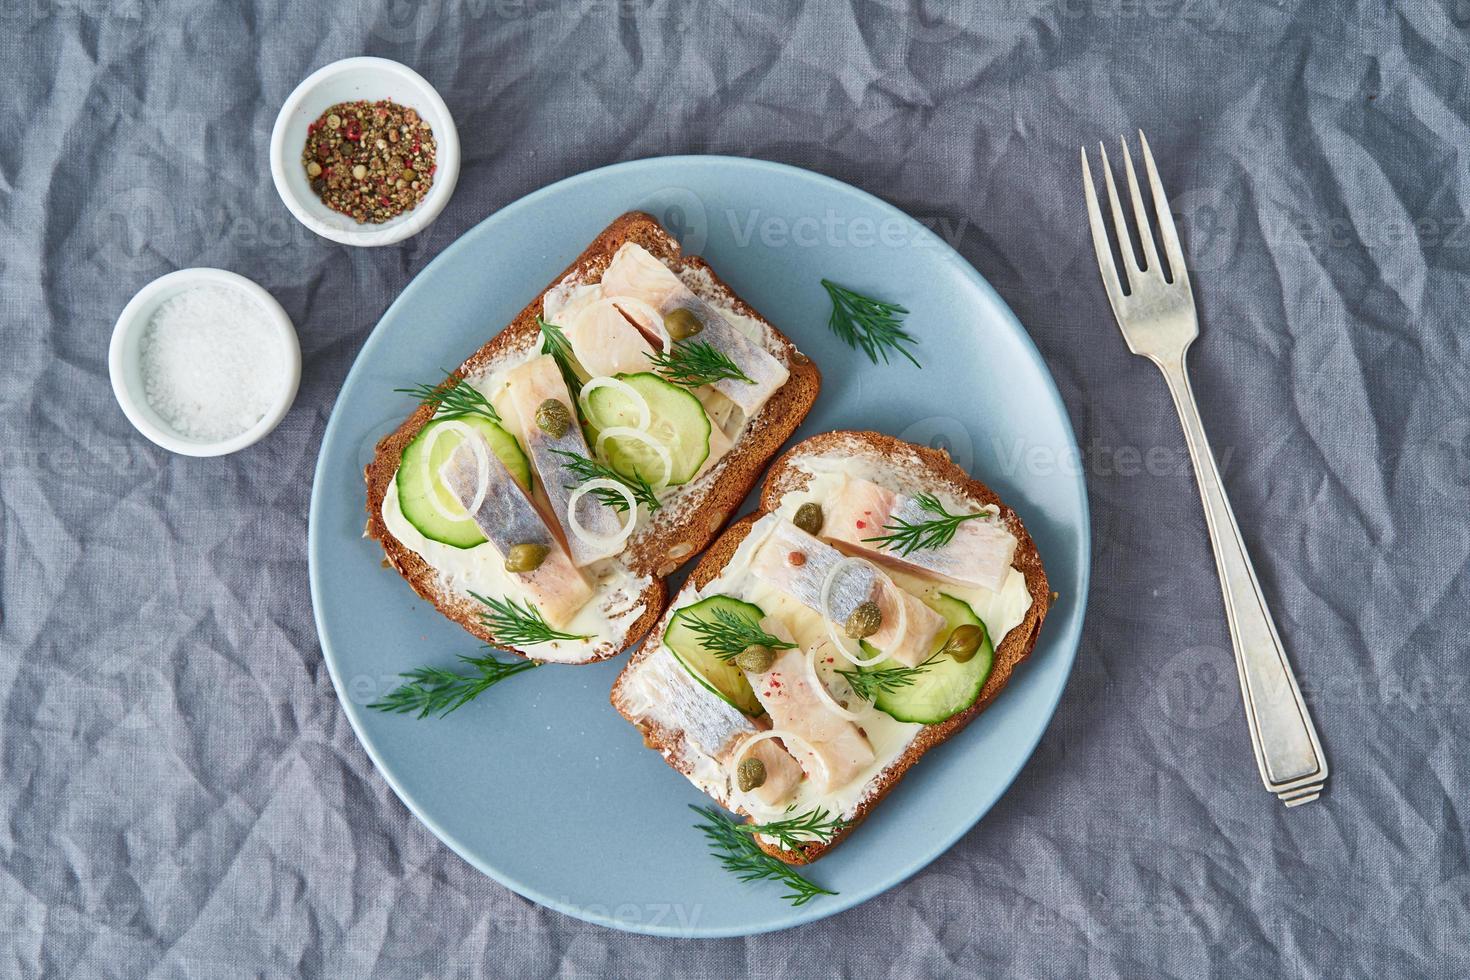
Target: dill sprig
x=740, y=855
x=732, y=633
x=885, y=680
x=695, y=363
x=555, y=343
x=519, y=624
x=792, y=833
x=437, y=691
x=453, y=398
x=906, y=537
x=869, y=325
x=590, y=469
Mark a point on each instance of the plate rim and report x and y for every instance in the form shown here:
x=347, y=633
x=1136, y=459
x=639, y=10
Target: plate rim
x=1067, y=642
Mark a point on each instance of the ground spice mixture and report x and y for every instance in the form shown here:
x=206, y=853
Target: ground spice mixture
x=371, y=161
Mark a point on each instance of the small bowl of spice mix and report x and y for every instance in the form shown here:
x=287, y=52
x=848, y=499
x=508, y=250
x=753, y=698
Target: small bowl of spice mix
x=365, y=152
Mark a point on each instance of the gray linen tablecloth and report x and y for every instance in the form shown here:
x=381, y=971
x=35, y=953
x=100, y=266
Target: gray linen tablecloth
x=181, y=794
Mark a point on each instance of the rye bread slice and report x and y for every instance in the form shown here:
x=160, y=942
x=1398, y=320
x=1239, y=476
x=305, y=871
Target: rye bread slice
x=918, y=466
x=692, y=516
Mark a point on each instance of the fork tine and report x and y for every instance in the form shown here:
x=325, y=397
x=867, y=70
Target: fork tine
x=1120, y=224
x=1145, y=237
x=1177, y=270
x=1100, y=239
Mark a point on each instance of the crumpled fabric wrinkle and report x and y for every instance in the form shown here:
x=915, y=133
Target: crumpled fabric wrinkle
x=181, y=793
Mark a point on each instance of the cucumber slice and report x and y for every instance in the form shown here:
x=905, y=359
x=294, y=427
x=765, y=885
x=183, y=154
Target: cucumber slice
x=416, y=481
x=946, y=687
x=721, y=678
x=676, y=419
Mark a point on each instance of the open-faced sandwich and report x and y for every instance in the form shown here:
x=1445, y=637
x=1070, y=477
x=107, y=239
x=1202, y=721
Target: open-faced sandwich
x=876, y=603
x=539, y=494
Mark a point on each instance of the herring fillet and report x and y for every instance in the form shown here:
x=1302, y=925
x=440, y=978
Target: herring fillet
x=660, y=690
x=605, y=342
x=856, y=584
x=785, y=691
x=508, y=518
x=719, y=445
x=636, y=273
x=782, y=772
x=528, y=386
x=980, y=553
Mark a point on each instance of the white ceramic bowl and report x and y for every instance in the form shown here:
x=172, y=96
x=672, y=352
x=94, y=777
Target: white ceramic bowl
x=350, y=80
x=124, y=361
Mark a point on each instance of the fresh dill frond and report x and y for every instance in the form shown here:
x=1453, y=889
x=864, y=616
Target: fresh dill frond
x=739, y=854
x=695, y=363
x=792, y=833
x=555, y=343
x=868, y=684
x=453, y=398
x=437, y=691
x=519, y=624
x=731, y=633
x=590, y=469
x=869, y=325
x=906, y=537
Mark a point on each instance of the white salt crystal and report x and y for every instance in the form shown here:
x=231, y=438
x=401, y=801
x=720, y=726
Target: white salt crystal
x=212, y=363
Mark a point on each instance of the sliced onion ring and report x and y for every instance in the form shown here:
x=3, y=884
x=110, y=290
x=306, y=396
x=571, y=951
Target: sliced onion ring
x=638, y=435
x=826, y=601
x=482, y=459
x=784, y=735
x=609, y=543
x=655, y=318
x=645, y=418
x=815, y=679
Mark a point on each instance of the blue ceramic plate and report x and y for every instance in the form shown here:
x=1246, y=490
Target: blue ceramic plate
x=540, y=784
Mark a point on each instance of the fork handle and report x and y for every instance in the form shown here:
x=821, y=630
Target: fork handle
x=1287, y=750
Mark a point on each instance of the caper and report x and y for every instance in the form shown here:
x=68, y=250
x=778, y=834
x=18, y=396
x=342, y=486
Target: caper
x=553, y=418
x=526, y=557
x=682, y=323
x=750, y=774
x=864, y=621
x=756, y=658
x=809, y=518
x=963, y=642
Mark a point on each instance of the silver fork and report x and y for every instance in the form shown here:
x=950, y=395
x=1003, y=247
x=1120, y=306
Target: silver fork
x=1156, y=315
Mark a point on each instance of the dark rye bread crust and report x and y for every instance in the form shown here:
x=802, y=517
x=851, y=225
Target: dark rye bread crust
x=932, y=467
x=666, y=541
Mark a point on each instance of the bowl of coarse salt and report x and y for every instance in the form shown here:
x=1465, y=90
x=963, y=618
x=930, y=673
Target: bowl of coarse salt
x=204, y=362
